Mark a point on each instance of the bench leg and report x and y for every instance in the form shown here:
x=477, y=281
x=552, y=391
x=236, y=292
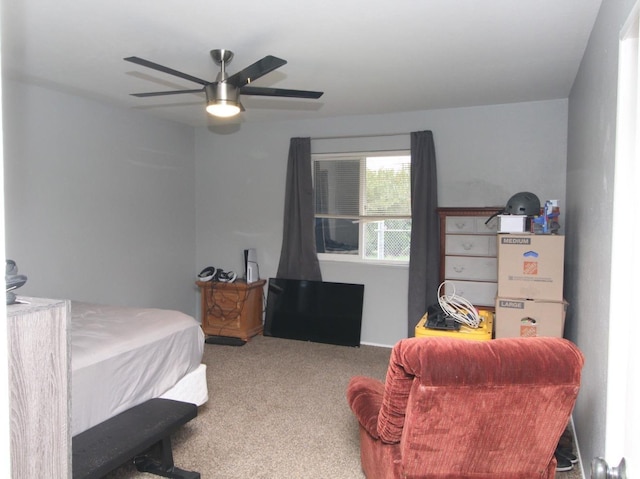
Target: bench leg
x=159, y=461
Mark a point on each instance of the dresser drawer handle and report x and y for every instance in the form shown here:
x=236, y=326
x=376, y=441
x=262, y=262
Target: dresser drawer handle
x=458, y=269
x=467, y=246
x=460, y=225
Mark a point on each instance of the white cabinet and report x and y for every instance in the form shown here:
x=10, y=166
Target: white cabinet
x=468, y=253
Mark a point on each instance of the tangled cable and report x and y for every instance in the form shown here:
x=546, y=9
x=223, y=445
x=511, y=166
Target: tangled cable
x=458, y=307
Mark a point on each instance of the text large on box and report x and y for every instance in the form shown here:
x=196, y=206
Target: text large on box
x=531, y=266
x=529, y=318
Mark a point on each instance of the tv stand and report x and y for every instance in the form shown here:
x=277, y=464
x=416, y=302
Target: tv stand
x=231, y=310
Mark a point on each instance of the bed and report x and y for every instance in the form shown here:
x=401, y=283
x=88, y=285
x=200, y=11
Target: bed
x=121, y=357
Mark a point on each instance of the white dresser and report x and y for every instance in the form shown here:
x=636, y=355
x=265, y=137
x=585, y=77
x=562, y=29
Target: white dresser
x=39, y=384
x=468, y=253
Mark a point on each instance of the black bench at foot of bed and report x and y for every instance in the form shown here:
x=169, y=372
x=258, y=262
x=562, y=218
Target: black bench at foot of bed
x=142, y=433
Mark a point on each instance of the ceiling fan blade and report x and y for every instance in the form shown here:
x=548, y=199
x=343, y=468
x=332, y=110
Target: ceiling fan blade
x=161, y=93
x=160, y=68
x=263, y=91
x=255, y=71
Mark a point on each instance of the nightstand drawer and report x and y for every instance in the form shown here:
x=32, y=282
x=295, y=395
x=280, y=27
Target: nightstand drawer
x=471, y=268
x=470, y=245
x=227, y=302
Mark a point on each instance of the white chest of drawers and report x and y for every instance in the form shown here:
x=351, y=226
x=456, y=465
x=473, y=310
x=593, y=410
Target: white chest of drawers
x=468, y=253
x=38, y=335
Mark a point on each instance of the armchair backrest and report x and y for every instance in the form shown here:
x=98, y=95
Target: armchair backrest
x=484, y=407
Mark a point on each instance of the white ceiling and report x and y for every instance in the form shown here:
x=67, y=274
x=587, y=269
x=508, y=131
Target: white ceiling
x=368, y=56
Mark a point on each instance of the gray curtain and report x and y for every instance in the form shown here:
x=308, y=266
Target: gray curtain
x=298, y=257
x=424, y=262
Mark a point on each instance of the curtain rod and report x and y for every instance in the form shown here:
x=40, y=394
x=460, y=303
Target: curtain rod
x=356, y=136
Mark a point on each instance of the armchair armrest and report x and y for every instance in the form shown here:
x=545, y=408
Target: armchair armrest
x=365, y=399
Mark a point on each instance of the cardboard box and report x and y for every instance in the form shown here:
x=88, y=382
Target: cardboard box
x=529, y=318
x=531, y=266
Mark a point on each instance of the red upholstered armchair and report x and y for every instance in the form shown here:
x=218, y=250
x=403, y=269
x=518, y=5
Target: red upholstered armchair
x=451, y=408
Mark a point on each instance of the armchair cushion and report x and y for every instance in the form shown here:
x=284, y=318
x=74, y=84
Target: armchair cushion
x=365, y=397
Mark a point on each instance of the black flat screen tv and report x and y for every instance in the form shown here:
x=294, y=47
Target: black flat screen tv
x=316, y=311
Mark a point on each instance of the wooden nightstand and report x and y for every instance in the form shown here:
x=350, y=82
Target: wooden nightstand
x=231, y=309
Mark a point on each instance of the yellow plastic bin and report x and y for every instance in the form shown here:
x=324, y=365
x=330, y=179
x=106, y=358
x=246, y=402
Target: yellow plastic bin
x=483, y=333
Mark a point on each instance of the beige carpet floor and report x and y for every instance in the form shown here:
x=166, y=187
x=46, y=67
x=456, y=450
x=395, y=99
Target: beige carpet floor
x=277, y=410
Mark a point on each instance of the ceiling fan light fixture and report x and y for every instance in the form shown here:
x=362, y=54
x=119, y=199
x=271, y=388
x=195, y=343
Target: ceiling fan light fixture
x=222, y=100
x=223, y=109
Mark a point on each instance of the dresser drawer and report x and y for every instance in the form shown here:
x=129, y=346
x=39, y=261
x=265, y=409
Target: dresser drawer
x=470, y=225
x=490, y=228
x=470, y=245
x=460, y=224
x=477, y=293
x=471, y=268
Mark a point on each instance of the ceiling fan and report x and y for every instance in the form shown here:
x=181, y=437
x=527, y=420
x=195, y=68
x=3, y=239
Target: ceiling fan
x=223, y=94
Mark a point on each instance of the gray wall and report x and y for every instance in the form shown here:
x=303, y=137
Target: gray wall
x=484, y=155
x=99, y=201
x=590, y=175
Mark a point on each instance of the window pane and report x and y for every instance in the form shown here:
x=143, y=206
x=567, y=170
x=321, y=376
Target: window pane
x=388, y=183
x=354, y=192
x=337, y=187
x=388, y=240
x=338, y=236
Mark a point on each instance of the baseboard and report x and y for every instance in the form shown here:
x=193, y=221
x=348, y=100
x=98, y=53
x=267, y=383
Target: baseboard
x=225, y=340
x=577, y=448
x=388, y=346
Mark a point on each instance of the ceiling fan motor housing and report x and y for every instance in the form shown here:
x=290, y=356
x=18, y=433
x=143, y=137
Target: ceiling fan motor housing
x=221, y=92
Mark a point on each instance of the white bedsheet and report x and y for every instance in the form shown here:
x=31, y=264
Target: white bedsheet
x=121, y=357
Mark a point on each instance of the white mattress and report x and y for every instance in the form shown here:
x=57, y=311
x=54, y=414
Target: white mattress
x=121, y=357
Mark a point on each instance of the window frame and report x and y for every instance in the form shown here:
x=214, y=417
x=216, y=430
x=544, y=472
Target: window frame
x=361, y=218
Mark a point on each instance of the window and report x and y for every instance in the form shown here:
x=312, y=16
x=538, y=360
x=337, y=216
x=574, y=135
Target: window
x=363, y=206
